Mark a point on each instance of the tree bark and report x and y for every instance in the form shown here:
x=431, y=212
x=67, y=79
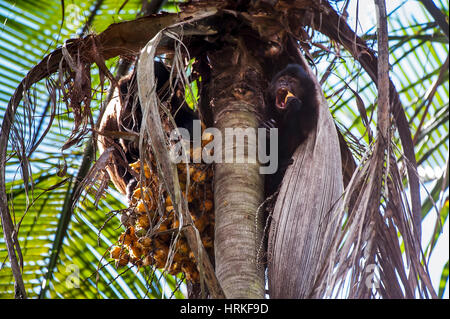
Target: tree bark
x=237, y=102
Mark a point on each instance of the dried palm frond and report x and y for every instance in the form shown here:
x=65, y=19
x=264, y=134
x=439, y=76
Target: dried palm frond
x=310, y=190
x=152, y=133
x=366, y=256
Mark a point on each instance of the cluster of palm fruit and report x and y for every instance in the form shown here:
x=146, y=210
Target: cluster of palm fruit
x=152, y=225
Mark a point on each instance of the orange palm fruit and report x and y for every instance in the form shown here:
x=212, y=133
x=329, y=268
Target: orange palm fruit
x=175, y=268
x=135, y=166
x=144, y=193
x=145, y=241
x=206, y=205
x=207, y=138
x=147, y=171
x=143, y=221
x=169, y=209
x=182, y=247
x=168, y=201
x=128, y=236
x=123, y=261
x=116, y=252
x=201, y=222
x=160, y=256
x=176, y=223
x=199, y=176
x=136, y=261
x=142, y=207
x=136, y=250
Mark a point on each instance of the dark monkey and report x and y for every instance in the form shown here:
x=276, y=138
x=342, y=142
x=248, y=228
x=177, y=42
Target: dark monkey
x=292, y=107
x=125, y=115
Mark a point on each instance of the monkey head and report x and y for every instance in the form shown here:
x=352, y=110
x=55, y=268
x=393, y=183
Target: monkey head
x=289, y=87
x=291, y=107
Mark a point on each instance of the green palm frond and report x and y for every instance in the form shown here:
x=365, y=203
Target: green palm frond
x=30, y=30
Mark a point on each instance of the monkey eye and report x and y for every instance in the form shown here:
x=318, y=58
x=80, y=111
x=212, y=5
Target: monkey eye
x=293, y=80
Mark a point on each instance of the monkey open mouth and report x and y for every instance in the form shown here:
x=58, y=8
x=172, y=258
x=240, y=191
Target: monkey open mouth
x=283, y=94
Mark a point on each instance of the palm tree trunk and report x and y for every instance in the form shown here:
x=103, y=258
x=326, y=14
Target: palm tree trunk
x=238, y=187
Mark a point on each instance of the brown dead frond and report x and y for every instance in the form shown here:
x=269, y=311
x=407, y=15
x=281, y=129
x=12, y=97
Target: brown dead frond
x=367, y=259
x=152, y=133
x=96, y=178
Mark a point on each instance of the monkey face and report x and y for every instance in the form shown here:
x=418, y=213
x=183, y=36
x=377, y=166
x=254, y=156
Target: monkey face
x=286, y=88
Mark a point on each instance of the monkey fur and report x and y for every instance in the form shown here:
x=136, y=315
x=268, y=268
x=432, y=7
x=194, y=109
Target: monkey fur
x=124, y=115
x=292, y=107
